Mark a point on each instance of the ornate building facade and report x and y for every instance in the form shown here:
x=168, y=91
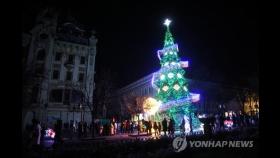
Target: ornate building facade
x=58, y=75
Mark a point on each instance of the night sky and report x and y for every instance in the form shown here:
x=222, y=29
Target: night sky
x=219, y=39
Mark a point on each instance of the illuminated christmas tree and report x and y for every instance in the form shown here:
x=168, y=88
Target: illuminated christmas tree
x=172, y=86
x=172, y=83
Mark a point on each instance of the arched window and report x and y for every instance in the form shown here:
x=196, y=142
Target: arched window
x=41, y=55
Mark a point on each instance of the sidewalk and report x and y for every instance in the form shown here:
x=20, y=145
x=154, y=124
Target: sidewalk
x=120, y=136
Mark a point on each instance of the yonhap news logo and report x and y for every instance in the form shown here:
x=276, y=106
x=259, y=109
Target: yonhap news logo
x=180, y=144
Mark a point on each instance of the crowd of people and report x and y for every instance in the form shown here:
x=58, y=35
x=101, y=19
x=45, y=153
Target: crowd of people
x=220, y=122
x=35, y=132
x=154, y=148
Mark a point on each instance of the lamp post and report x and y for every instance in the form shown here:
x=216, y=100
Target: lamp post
x=81, y=112
x=73, y=113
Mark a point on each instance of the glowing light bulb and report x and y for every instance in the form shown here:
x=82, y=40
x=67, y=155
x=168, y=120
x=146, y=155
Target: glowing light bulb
x=162, y=77
x=170, y=75
x=176, y=87
x=173, y=63
x=171, y=53
x=166, y=64
x=179, y=75
x=165, y=88
x=185, y=88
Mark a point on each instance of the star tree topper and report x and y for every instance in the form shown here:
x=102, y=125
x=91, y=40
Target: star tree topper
x=167, y=22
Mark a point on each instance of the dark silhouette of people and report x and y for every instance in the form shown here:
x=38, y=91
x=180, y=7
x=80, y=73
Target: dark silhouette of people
x=159, y=128
x=85, y=129
x=171, y=128
x=58, y=131
x=122, y=127
x=80, y=129
x=234, y=119
x=164, y=126
x=149, y=128
x=155, y=126
x=127, y=126
x=182, y=126
x=146, y=123
x=221, y=119
x=131, y=127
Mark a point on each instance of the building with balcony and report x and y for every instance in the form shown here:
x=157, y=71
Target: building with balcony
x=59, y=66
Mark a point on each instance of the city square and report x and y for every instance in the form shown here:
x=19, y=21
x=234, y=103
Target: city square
x=164, y=82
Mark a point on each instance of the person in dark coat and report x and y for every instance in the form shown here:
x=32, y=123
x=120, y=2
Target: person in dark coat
x=221, y=119
x=80, y=129
x=164, y=126
x=58, y=131
x=182, y=127
x=171, y=128
x=159, y=128
x=155, y=126
x=85, y=129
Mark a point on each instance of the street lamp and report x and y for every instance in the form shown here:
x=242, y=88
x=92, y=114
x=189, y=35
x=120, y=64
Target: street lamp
x=81, y=110
x=73, y=109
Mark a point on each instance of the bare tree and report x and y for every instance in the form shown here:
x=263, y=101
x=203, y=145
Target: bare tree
x=242, y=95
x=133, y=103
x=105, y=86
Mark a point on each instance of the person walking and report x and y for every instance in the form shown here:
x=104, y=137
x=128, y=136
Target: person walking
x=171, y=128
x=182, y=127
x=150, y=127
x=155, y=126
x=159, y=128
x=80, y=129
x=39, y=132
x=164, y=126
x=131, y=127
x=85, y=129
